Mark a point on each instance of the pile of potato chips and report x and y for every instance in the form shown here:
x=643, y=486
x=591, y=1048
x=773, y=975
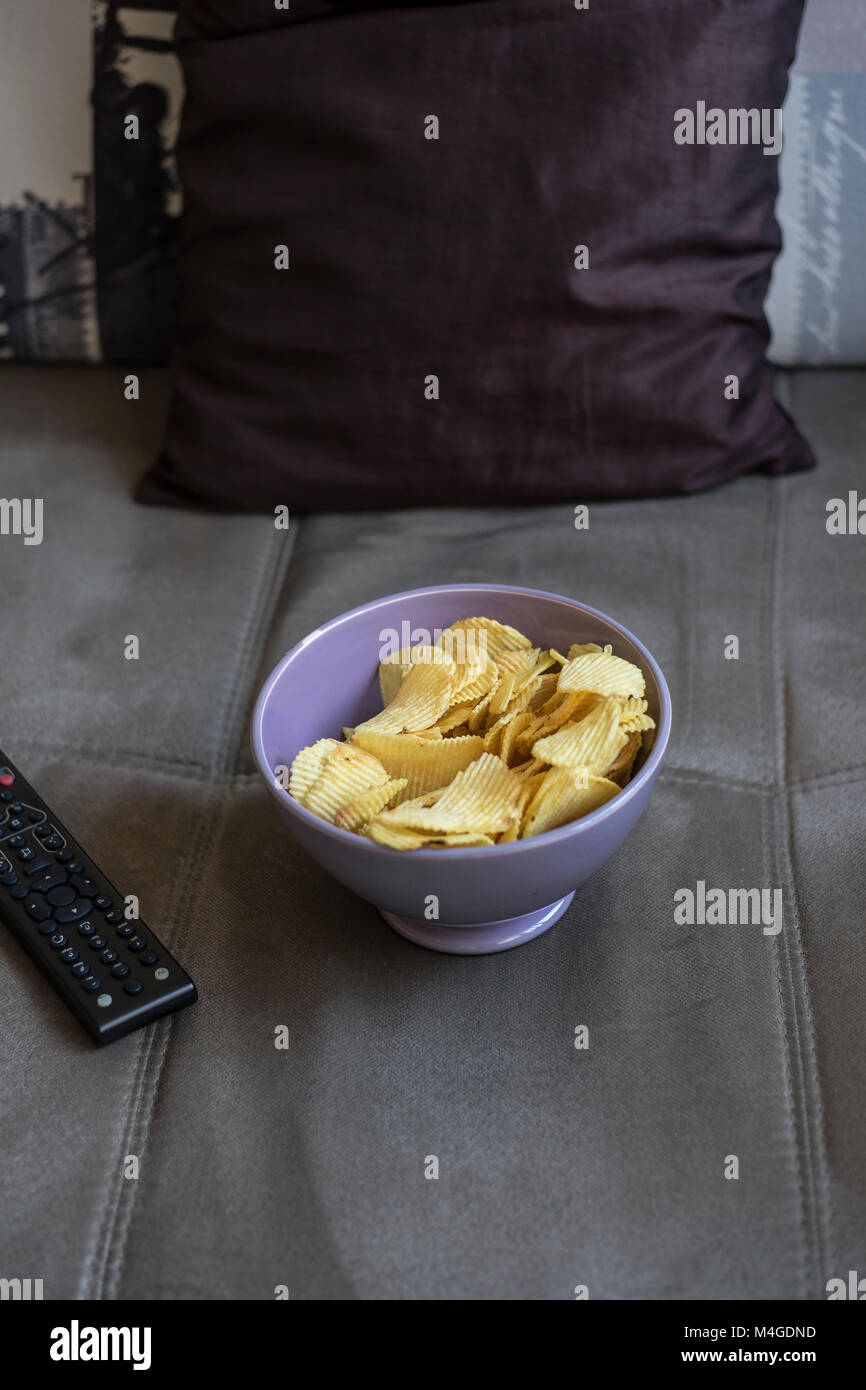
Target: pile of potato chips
x=483, y=739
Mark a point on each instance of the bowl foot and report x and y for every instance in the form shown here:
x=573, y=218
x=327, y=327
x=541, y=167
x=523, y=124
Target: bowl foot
x=478, y=938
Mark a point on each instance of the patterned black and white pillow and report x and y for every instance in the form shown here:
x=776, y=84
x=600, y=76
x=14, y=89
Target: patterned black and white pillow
x=90, y=96
x=817, y=301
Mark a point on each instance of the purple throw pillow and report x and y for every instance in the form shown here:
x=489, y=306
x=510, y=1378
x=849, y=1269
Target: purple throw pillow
x=507, y=251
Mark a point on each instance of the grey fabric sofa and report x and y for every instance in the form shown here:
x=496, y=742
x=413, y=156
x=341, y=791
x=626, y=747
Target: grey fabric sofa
x=558, y=1167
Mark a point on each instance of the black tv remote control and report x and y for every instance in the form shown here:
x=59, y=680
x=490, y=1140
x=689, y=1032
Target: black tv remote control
x=112, y=972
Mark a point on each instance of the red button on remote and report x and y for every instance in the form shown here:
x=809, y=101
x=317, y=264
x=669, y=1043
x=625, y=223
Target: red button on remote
x=6, y=779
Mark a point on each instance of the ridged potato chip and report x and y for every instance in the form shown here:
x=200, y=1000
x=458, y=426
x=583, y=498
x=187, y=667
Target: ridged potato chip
x=528, y=769
x=424, y=695
x=583, y=648
x=426, y=764
x=520, y=700
x=592, y=743
x=531, y=785
x=565, y=705
x=522, y=662
x=533, y=674
x=395, y=838
x=393, y=669
x=565, y=794
x=426, y=798
x=498, y=637
x=566, y=709
x=633, y=704
x=484, y=798
x=544, y=691
x=637, y=723
x=478, y=718
x=355, y=814
x=528, y=788
x=621, y=767
x=603, y=673
x=454, y=717
x=470, y=692
x=497, y=727
x=476, y=672
x=307, y=766
x=514, y=726
x=348, y=772
x=493, y=737
x=501, y=695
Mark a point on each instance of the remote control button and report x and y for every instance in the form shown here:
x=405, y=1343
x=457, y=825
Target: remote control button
x=16, y=842
x=36, y=817
x=46, y=881
x=79, y=908
x=80, y=970
x=120, y=971
x=69, y=956
x=43, y=831
x=16, y=808
x=161, y=973
x=148, y=958
x=21, y=890
x=5, y=866
x=108, y=957
x=9, y=879
x=133, y=987
x=38, y=866
x=6, y=779
x=84, y=886
x=128, y=929
x=37, y=908
x=91, y=984
x=62, y=856
x=75, y=867
x=103, y=1000
x=7, y=795
x=137, y=943
x=14, y=822
x=114, y=917
x=97, y=943
x=61, y=896
x=102, y=902
x=47, y=928
x=54, y=842
x=57, y=941
x=86, y=929
x=25, y=854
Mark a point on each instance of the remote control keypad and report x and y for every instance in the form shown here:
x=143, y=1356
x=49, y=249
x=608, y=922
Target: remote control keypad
x=40, y=873
x=60, y=893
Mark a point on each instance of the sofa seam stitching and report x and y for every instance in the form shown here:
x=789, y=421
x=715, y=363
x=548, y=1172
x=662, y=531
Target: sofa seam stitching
x=275, y=558
x=807, y=1113
x=212, y=811
x=120, y=1226
x=781, y=975
x=770, y=856
x=94, y=1257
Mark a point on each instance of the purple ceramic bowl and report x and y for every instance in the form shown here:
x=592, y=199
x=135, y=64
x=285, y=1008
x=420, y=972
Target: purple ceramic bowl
x=469, y=901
